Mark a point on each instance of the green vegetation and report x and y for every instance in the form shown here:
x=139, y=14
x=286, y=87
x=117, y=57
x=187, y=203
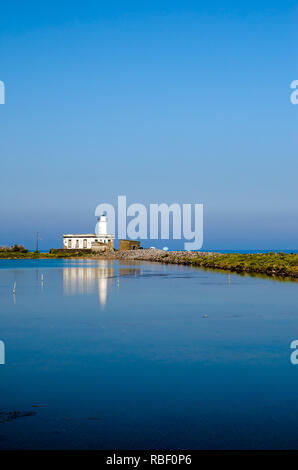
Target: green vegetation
x=19, y=249
x=37, y=255
x=9, y=254
x=19, y=252
x=69, y=253
x=272, y=264
x=14, y=251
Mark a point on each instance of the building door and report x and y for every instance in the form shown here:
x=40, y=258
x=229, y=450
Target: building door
x=84, y=243
x=69, y=243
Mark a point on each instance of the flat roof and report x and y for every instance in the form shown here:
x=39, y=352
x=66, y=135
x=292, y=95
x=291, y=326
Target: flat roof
x=87, y=235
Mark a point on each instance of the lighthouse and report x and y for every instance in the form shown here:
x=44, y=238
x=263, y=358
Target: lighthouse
x=102, y=225
x=101, y=240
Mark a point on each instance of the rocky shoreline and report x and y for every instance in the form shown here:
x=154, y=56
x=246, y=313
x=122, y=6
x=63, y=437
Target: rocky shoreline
x=161, y=256
x=271, y=264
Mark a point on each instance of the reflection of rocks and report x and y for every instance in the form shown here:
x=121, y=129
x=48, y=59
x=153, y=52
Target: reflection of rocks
x=129, y=271
x=6, y=416
x=86, y=280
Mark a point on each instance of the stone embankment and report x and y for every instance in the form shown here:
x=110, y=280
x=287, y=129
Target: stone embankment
x=271, y=264
x=161, y=256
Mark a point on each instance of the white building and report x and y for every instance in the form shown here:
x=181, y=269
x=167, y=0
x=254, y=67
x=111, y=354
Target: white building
x=97, y=241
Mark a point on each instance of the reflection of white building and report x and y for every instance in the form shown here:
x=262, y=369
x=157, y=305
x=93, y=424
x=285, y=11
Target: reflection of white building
x=85, y=241
x=89, y=279
x=85, y=280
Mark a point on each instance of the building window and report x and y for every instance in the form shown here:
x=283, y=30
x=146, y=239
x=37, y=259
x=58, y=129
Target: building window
x=85, y=243
x=69, y=243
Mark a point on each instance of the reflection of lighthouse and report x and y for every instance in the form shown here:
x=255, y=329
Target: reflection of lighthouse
x=102, y=290
x=99, y=277
x=86, y=280
x=103, y=276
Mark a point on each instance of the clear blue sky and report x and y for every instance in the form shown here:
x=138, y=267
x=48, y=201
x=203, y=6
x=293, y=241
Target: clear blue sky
x=163, y=101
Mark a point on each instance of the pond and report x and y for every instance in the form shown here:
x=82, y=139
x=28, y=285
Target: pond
x=119, y=355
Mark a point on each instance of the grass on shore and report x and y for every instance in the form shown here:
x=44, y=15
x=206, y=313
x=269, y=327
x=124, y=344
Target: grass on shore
x=272, y=264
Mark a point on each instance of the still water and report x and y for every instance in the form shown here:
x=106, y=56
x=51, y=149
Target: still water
x=107, y=354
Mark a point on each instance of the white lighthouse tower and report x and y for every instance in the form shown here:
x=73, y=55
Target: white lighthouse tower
x=101, y=240
x=102, y=225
